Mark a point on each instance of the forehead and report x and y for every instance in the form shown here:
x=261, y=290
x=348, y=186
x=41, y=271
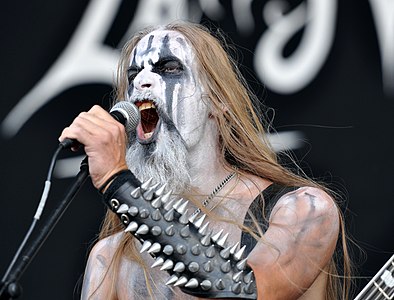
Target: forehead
x=160, y=44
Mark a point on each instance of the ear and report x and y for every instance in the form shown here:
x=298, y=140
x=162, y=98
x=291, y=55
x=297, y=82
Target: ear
x=214, y=107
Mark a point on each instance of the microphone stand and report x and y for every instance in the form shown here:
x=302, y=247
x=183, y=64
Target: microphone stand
x=9, y=287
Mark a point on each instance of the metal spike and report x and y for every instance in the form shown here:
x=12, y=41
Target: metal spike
x=219, y=284
x=206, y=285
x=169, y=204
x=181, y=249
x=170, y=230
x=156, y=215
x=210, y=252
x=169, y=215
x=133, y=211
x=131, y=227
x=216, y=236
x=148, y=195
x=168, y=264
x=166, y=197
x=223, y=240
x=172, y=280
x=193, y=267
x=155, y=186
x=185, y=231
x=156, y=230
x=238, y=255
x=192, y=283
x=160, y=191
x=179, y=267
x=226, y=267
x=159, y=262
x=193, y=217
x=250, y=288
x=181, y=281
x=145, y=246
x=178, y=204
x=168, y=249
x=156, y=247
x=248, y=277
x=237, y=276
x=183, y=207
x=196, y=249
x=241, y=264
x=144, y=213
x=208, y=267
x=122, y=209
x=143, y=229
x=236, y=288
x=206, y=240
x=184, y=219
x=136, y=193
x=204, y=230
x=234, y=248
x=199, y=222
x=156, y=203
x=146, y=185
x=225, y=253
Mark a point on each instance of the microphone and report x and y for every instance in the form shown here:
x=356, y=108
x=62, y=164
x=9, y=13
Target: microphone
x=124, y=112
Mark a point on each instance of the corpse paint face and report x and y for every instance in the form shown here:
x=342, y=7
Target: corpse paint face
x=164, y=84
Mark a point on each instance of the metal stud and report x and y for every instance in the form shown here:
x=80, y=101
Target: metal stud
x=241, y=264
x=181, y=281
x=114, y=203
x=225, y=253
x=148, y=195
x=204, y=229
x=168, y=249
x=131, y=227
x=196, y=249
x=169, y=204
x=206, y=240
x=159, y=262
x=248, y=277
x=226, y=267
x=179, y=267
x=167, y=265
x=156, y=230
x=210, y=252
x=156, y=215
x=178, y=204
x=193, y=267
x=221, y=242
x=172, y=280
x=192, y=283
x=169, y=215
x=122, y=209
x=216, y=236
x=238, y=255
x=181, y=249
x=156, y=203
x=145, y=246
x=143, y=229
x=144, y=213
x=206, y=285
x=234, y=248
x=185, y=231
x=208, y=267
x=133, y=211
x=250, y=288
x=160, y=191
x=166, y=197
x=155, y=248
x=219, y=284
x=199, y=222
x=236, y=288
x=136, y=193
x=237, y=276
x=183, y=207
x=146, y=185
x=184, y=219
x=170, y=231
x=193, y=217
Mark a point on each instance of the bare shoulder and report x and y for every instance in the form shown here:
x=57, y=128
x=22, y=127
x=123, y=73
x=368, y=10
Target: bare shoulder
x=103, y=251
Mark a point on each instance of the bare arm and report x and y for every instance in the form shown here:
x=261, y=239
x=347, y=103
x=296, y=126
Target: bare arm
x=298, y=244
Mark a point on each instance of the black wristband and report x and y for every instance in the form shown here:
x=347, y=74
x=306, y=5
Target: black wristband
x=101, y=189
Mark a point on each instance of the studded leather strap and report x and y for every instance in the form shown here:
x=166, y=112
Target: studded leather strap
x=198, y=260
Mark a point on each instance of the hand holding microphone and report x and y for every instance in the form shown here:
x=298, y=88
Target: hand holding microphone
x=103, y=135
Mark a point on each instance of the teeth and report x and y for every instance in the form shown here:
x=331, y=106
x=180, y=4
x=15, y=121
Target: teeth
x=146, y=105
x=148, y=135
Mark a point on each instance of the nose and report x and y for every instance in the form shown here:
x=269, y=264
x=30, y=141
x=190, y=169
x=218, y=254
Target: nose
x=144, y=80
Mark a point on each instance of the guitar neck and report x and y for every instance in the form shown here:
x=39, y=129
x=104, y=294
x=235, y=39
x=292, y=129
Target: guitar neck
x=382, y=284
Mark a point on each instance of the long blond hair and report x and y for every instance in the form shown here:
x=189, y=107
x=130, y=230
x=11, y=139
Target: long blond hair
x=242, y=137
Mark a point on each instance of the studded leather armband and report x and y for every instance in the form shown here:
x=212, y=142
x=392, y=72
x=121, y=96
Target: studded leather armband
x=198, y=260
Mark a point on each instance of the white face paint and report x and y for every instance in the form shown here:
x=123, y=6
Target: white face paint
x=164, y=84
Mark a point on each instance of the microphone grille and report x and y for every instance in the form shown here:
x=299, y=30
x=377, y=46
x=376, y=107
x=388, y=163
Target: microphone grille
x=130, y=112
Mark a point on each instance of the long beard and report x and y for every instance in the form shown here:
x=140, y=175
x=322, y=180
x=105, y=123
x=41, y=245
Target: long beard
x=164, y=160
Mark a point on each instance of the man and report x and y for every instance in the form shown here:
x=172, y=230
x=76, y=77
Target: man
x=266, y=233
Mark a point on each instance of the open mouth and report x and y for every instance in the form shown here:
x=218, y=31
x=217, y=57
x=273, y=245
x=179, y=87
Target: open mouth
x=149, y=121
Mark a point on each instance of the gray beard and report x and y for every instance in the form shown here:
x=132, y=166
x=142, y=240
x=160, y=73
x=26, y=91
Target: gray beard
x=165, y=160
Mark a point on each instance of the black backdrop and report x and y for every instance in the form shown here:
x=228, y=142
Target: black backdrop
x=344, y=114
